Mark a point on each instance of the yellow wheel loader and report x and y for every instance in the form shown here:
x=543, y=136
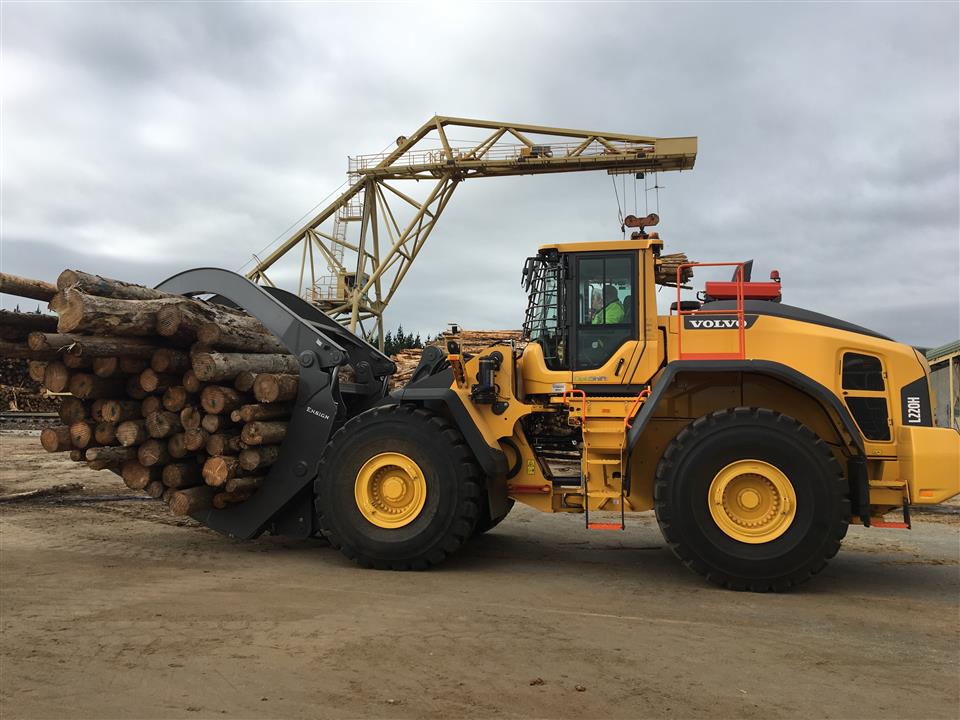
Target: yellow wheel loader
x=756, y=430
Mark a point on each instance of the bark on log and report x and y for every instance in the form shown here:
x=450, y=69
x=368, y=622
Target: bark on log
x=176, y=398
x=107, y=287
x=182, y=475
x=260, y=457
x=214, y=423
x=241, y=339
x=56, y=438
x=223, y=444
x=150, y=404
x=118, y=411
x=168, y=360
x=77, y=455
x=101, y=458
x=249, y=413
x=217, y=470
x=23, y=351
x=88, y=385
x=26, y=287
x=136, y=476
x=92, y=345
x=216, y=367
x=195, y=439
x=81, y=433
x=155, y=489
x=56, y=377
x=105, y=433
x=191, y=500
x=191, y=382
x=132, y=432
x=94, y=314
x=26, y=322
x=133, y=365
x=242, y=483
x=77, y=362
x=224, y=499
x=270, y=387
x=71, y=410
x=153, y=452
x=152, y=381
x=168, y=495
x=177, y=446
x=163, y=424
x=220, y=400
x=244, y=381
x=186, y=316
x=190, y=417
x=263, y=433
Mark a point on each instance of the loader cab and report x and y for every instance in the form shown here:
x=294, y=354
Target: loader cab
x=586, y=311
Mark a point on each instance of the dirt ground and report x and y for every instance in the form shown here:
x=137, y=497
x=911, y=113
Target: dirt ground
x=117, y=609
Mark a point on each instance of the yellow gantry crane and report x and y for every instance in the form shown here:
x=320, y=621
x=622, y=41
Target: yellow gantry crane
x=364, y=272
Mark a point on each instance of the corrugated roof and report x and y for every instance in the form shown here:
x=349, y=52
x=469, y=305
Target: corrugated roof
x=952, y=348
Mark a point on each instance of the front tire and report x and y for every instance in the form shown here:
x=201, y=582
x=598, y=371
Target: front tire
x=397, y=489
x=751, y=499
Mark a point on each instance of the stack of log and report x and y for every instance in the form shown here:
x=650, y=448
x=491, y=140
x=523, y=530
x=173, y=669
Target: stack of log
x=470, y=341
x=186, y=400
x=665, y=270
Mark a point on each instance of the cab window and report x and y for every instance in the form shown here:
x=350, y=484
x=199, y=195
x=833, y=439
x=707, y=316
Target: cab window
x=606, y=307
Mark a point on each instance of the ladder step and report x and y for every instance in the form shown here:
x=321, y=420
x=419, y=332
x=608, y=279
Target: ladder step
x=604, y=526
x=882, y=524
x=601, y=461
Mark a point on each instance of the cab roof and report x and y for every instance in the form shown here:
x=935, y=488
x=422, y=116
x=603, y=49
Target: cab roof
x=603, y=245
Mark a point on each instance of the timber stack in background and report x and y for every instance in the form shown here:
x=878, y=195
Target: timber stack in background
x=186, y=400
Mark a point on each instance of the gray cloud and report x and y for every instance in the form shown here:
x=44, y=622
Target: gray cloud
x=140, y=139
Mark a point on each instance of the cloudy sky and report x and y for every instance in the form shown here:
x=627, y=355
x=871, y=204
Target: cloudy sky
x=141, y=139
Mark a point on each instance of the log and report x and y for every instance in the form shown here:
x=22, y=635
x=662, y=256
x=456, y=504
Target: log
x=56, y=377
x=242, y=483
x=118, y=411
x=195, y=439
x=223, y=444
x=249, y=413
x=190, y=417
x=217, y=470
x=152, y=381
x=241, y=339
x=35, y=369
x=216, y=367
x=132, y=432
x=168, y=360
x=163, y=424
x=26, y=322
x=191, y=500
x=270, y=387
x=155, y=489
x=71, y=410
x=96, y=410
x=77, y=362
x=105, y=433
x=177, y=446
x=218, y=399
x=56, y=438
x=176, y=398
x=185, y=317
x=150, y=404
x=105, y=367
x=214, y=423
x=42, y=492
x=153, y=452
x=77, y=455
x=263, y=433
x=101, y=458
x=92, y=345
x=136, y=476
x=259, y=457
x=222, y=500
x=182, y=475
x=23, y=351
x=133, y=389
x=88, y=385
x=191, y=382
x=244, y=381
x=81, y=433
x=26, y=287
x=107, y=287
x=133, y=365
x=168, y=495
x=95, y=314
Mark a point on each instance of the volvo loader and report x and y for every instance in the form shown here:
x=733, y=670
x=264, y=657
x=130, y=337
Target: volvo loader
x=757, y=431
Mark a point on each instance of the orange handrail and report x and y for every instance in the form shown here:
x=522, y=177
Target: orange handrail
x=741, y=325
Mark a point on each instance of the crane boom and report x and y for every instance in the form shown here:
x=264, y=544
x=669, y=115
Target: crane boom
x=364, y=273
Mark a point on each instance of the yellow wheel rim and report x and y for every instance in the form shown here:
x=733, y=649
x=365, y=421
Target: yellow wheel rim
x=752, y=501
x=390, y=490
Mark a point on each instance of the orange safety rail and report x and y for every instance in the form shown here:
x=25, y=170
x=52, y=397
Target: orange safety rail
x=644, y=394
x=741, y=325
x=583, y=401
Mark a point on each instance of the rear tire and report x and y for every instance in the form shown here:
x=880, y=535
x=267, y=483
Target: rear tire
x=433, y=525
x=808, y=515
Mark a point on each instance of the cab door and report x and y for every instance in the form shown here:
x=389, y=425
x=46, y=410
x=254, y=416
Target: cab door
x=603, y=317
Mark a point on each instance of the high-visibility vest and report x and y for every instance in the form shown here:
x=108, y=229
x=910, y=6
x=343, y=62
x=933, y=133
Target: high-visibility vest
x=610, y=315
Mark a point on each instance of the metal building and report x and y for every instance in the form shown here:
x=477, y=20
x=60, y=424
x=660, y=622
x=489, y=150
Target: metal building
x=945, y=380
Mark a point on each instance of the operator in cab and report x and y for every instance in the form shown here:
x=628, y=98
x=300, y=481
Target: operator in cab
x=612, y=311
